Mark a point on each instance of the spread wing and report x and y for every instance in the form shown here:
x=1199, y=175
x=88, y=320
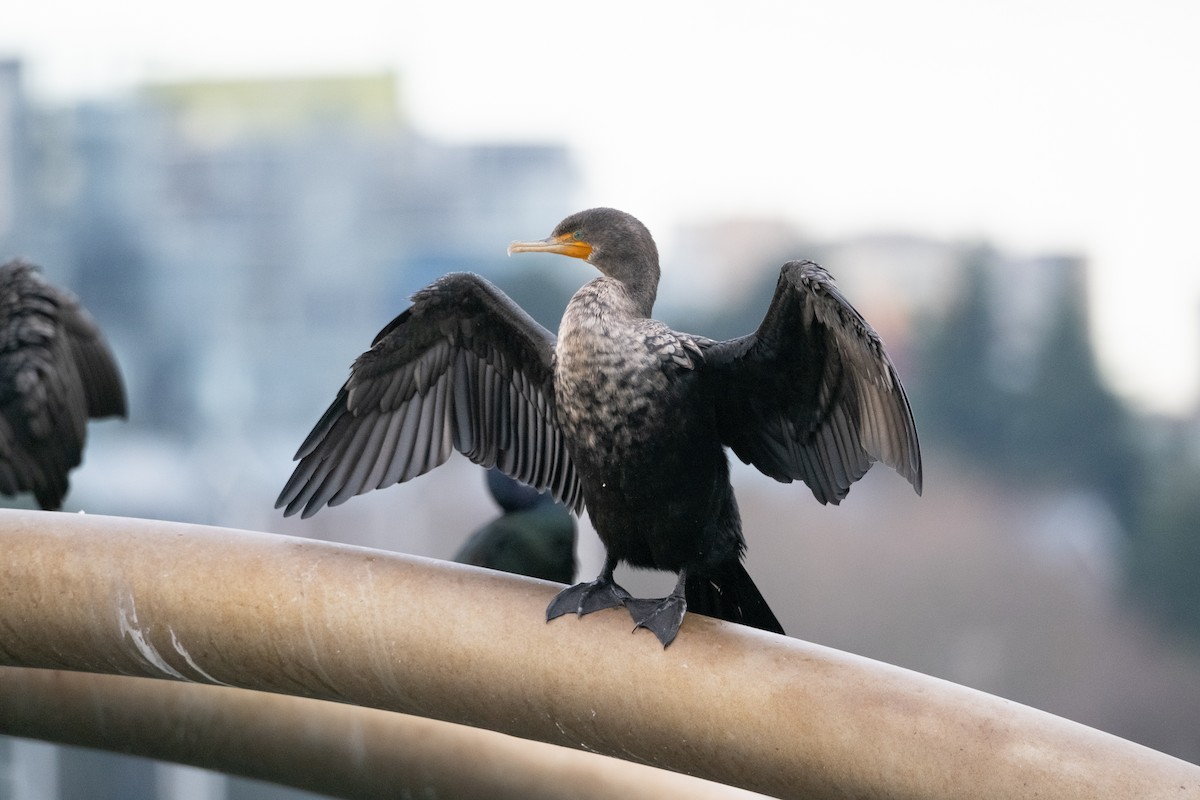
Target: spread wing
x=56, y=371
x=811, y=395
x=463, y=368
x=103, y=388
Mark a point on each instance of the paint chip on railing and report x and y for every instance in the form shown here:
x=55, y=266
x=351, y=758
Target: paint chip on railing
x=128, y=621
x=179, y=648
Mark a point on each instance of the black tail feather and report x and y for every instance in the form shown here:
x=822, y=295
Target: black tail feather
x=728, y=593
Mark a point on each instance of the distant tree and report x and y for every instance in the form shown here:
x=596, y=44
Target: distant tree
x=1069, y=428
x=960, y=401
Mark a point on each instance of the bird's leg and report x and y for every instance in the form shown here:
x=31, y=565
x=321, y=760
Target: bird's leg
x=584, y=598
x=663, y=616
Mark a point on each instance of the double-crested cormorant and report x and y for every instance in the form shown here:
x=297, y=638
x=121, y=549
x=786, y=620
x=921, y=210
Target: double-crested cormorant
x=621, y=414
x=56, y=371
x=535, y=535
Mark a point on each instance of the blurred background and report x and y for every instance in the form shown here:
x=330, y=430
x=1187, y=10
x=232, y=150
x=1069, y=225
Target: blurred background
x=243, y=194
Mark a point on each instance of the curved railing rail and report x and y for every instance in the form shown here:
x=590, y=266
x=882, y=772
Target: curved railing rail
x=724, y=702
x=332, y=748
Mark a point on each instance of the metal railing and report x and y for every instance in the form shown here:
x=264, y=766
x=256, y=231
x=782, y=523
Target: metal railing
x=331, y=748
x=384, y=631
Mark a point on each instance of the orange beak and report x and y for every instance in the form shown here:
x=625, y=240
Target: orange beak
x=565, y=245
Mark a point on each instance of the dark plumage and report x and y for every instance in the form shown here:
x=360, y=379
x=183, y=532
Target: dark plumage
x=621, y=414
x=535, y=535
x=56, y=371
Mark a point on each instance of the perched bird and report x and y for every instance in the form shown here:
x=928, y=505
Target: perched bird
x=535, y=535
x=621, y=414
x=56, y=371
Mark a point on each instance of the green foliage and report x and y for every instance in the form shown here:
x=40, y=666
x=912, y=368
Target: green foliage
x=1069, y=427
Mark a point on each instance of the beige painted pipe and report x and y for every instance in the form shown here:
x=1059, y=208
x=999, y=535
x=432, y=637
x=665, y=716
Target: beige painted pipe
x=331, y=748
x=724, y=702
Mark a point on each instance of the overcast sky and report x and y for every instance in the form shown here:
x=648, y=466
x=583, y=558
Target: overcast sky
x=1057, y=124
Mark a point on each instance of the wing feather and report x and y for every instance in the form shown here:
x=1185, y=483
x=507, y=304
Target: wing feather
x=406, y=442
x=463, y=368
x=465, y=409
x=812, y=395
x=359, y=459
x=387, y=452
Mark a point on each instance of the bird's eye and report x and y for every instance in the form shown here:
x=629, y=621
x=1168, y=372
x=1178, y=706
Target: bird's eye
x=578, y=235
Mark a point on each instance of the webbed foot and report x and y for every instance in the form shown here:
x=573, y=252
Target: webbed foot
x=662, y=617
x=584, y=598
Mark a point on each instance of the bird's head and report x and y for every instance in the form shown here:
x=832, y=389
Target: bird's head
x=612, y=241
x=510, y=494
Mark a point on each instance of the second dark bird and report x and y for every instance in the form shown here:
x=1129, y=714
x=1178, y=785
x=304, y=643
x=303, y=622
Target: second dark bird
x=620, y=414
x=56, y=372
x=534, y=536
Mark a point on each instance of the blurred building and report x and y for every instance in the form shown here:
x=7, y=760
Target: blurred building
x=242, y=240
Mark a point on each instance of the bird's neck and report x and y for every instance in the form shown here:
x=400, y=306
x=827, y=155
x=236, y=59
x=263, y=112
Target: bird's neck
x=632, y=270
x=639, y=286
x=643, y=294
x=610, y=297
